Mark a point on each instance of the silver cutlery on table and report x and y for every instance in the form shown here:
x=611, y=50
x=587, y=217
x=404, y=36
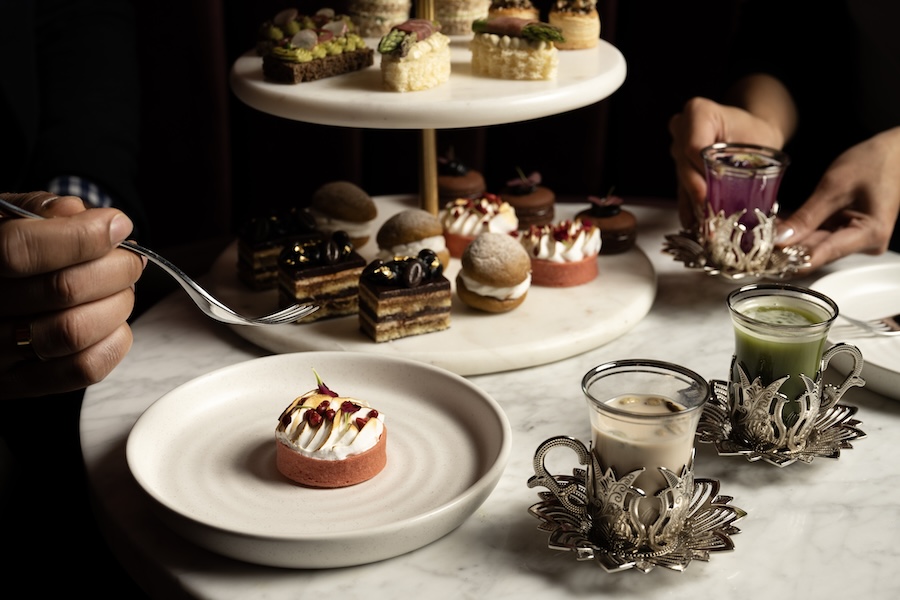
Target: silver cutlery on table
x=883, y=326
x=208, y=303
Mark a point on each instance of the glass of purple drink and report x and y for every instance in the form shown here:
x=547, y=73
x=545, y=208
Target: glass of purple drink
x=743, y=177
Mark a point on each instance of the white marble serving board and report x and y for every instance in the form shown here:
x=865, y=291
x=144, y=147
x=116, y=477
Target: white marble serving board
x=467, y=100
x=551, y=324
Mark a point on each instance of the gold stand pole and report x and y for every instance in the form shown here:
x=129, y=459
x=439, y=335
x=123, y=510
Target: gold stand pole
x=428, y=194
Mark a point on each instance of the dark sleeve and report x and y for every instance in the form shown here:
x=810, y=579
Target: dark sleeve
x=89, y=95
x=810, y=48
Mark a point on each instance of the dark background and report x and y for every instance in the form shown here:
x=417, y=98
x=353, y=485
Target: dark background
x=209, y=161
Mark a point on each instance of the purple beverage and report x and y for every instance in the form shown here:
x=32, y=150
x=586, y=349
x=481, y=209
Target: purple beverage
x=743, y=177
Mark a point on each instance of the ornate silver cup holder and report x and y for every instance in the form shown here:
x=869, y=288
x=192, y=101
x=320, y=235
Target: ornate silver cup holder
x=595, y=515
x=750, y=421
x=717, y=249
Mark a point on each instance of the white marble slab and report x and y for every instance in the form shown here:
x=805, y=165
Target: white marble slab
x=551, y=324
x=823, y=530
x=467, y=100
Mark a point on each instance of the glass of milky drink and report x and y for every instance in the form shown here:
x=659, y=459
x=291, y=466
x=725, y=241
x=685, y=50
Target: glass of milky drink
x=644, y=415
x=637, y=489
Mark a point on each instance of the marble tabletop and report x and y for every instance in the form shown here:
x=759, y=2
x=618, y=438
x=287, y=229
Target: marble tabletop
x=813, y=530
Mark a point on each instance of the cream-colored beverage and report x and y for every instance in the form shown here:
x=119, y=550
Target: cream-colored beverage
x=627, y=444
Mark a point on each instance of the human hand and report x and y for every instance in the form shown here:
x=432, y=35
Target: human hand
x=701, y=123
x=854, y=206
x=66, y=293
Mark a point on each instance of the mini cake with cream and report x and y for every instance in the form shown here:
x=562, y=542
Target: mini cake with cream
x=405, y=296
x=324, y=440
x=495, y=274
x=325, y=272
x=513, y=48
x=463, y=220
x=344, y=206
x=533, y=202
x=415, y=56
x=563, y=254
x=409, y=232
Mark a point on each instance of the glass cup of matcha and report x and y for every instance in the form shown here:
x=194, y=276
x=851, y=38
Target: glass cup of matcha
x=780, y=333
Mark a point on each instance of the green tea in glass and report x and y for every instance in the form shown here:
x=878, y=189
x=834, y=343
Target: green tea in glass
x=780, y=331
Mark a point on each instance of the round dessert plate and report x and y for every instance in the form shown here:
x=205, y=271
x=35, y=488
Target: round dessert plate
x=867, y=293
x=358, y=100
x=205, y=455
x=550, y=325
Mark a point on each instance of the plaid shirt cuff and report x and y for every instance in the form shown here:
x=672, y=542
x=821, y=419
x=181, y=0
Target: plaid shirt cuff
x=90, y=192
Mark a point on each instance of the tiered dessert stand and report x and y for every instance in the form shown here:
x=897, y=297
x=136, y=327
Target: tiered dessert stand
x=358, y=100
x=550, y=325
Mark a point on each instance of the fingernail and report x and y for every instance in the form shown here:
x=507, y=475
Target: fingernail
x=784, y=235
x=49, y=202
x=119, y=228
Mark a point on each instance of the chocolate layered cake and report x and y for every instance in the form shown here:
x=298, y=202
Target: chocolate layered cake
x=325, y=272
x=261, y=241
x=323, y=440
x=403, y=297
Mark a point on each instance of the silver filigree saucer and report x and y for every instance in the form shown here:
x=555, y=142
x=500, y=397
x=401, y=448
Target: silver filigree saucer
x=707, y=528
x=832, y=430
x=717, y=249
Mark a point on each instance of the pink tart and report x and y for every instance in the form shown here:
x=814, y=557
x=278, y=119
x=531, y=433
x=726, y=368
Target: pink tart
x=564, y=254
x=463, y=220
x=323, y=440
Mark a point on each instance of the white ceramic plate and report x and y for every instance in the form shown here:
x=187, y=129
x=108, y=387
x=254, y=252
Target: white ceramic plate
x=550, y=325
x=205, y=455
x=867, y=293
x=359, y=100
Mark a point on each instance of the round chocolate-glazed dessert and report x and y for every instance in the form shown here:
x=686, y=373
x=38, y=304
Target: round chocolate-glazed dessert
x=618, y=227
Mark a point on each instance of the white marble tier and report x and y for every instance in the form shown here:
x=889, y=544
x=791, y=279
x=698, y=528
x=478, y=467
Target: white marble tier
x=358, y=99
x=821, y=530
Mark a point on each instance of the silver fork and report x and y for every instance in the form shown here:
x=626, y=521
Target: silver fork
x=884, y=326
x=208, y=303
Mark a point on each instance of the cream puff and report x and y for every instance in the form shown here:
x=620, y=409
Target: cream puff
x=495, y=275
x=344, y=206
x=410, y=231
